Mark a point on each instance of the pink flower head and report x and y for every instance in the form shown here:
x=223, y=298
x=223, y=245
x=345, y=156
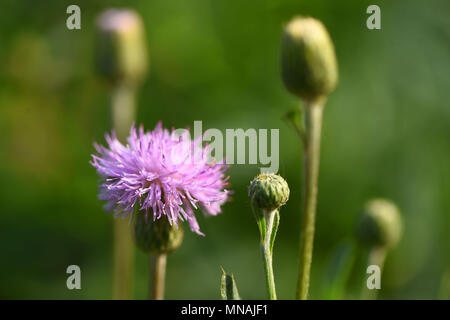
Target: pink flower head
x=160, y=172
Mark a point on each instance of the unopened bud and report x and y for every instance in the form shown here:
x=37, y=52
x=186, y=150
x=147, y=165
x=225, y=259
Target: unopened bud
x=121, y=48
x=268, y=192
x=308, y=60
x=156, y=237
x=380, y=224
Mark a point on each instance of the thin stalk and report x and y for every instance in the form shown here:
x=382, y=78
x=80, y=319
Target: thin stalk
x=313, y=126
x=377, y=256
x=122, y=114
x=123, y=108
x=157, y=276
x=123, y=260
x=267, y=256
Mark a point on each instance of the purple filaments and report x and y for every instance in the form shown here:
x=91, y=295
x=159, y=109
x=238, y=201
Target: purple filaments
x=161, y=173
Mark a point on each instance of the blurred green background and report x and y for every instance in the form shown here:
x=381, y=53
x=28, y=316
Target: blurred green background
x=386, y=134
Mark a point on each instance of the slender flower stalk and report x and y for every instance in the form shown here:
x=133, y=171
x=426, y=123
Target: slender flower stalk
x=157, y=275
x=123, y=111
x=309, y=71
x=123, y=60
x=377, y=257
x=311, y=154
x=267, y=193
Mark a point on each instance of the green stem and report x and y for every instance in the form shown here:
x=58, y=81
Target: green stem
x=157, y=276
x=313, y=126
x=122, y=113
x=123, y=109
x=267, y=255
x=377, y=256
x=123, y=260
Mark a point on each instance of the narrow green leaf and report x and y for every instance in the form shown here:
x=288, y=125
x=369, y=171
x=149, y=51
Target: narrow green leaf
x=228, y=288
x=273, y=234
x=339, y=270
x=295, y=118
x=262, y=228
x=260, y=221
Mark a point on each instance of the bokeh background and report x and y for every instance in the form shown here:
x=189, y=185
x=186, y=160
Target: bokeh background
x=386, y=134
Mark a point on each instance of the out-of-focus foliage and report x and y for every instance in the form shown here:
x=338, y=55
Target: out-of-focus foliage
x=386, y=134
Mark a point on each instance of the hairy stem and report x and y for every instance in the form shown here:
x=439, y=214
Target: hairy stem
x=157, y=276
x=122, y=114
x=313, y=126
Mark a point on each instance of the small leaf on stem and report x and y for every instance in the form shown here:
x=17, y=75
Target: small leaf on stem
x=273, y=233
x=228, y=288
x=295, y=118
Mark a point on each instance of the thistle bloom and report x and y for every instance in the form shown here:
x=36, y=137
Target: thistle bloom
x=161, y=173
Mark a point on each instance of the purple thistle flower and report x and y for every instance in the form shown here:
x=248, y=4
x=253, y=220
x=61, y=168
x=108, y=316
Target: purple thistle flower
x=160, y=171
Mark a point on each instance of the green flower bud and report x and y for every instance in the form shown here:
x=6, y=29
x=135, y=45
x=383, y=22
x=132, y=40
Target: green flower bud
x=121, y=48
x=156, y=237
x=308, y=60
x=268, y=192
x=380, y=224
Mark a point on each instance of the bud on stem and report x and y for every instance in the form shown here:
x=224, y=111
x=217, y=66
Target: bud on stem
x=158, y=236
x=121, y=57
x=121, y=48
x=267, y=193
x=309, y=67
x=379, y=229
x=309, y=71
x=380, y=224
